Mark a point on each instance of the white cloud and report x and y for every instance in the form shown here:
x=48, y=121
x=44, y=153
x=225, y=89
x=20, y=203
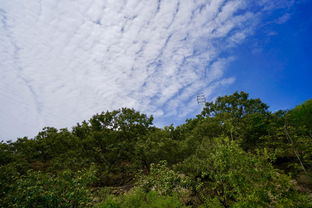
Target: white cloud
x=283, y=19
x=62, y=61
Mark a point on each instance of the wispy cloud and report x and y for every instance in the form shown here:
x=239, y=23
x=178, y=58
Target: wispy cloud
x=283, y=19
x=62, y=61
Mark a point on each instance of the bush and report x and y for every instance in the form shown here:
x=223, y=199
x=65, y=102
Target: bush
x=227, y=176
x=139, y=199
x=164, y=181
x=37, y=189
x=8, y=176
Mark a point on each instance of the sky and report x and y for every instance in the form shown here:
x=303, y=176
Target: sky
x=62, y=61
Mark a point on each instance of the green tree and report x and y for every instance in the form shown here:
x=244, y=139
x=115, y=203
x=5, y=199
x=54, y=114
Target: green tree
x=301, y=115
x=290, y=143
x=163, y=180
x=109, y=140
x=140, y=199
x=227, y=176
x=37, y=189
x=240, y=118
x=157, y=145
x=235, y=106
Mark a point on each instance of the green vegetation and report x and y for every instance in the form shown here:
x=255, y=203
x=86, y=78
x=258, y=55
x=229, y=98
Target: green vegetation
x=235, y=154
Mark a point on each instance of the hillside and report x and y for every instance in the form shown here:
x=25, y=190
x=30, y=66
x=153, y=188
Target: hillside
x=235, y=153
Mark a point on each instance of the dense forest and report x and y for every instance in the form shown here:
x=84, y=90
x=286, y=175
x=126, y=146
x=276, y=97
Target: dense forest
x=235, y=153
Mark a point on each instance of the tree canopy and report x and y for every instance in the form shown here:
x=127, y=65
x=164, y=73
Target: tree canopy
x=235, y=153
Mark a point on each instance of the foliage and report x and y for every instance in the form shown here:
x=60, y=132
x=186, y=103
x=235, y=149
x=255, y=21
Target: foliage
x=164, y=181
x=38, y=189
x=240, y=118
x=158, y=145
x=301, y=115
x=236, y=153
x=229, y=177
x=291, y=144
x=236, y=106
x=8, y=177
x=140, y=199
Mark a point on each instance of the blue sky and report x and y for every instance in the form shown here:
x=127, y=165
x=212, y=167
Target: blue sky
x=63, y=61
x=275, y=63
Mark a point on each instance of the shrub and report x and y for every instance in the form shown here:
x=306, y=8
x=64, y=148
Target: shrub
x=137, y=198
x=164, y=181
x=37, y=189
x=227, y=176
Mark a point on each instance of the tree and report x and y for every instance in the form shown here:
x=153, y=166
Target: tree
x=109, y=140
x=240, y=118
x=234, y=106
x=290, y=143
x=301, y=115
x=37, y=189
x=227, y=176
